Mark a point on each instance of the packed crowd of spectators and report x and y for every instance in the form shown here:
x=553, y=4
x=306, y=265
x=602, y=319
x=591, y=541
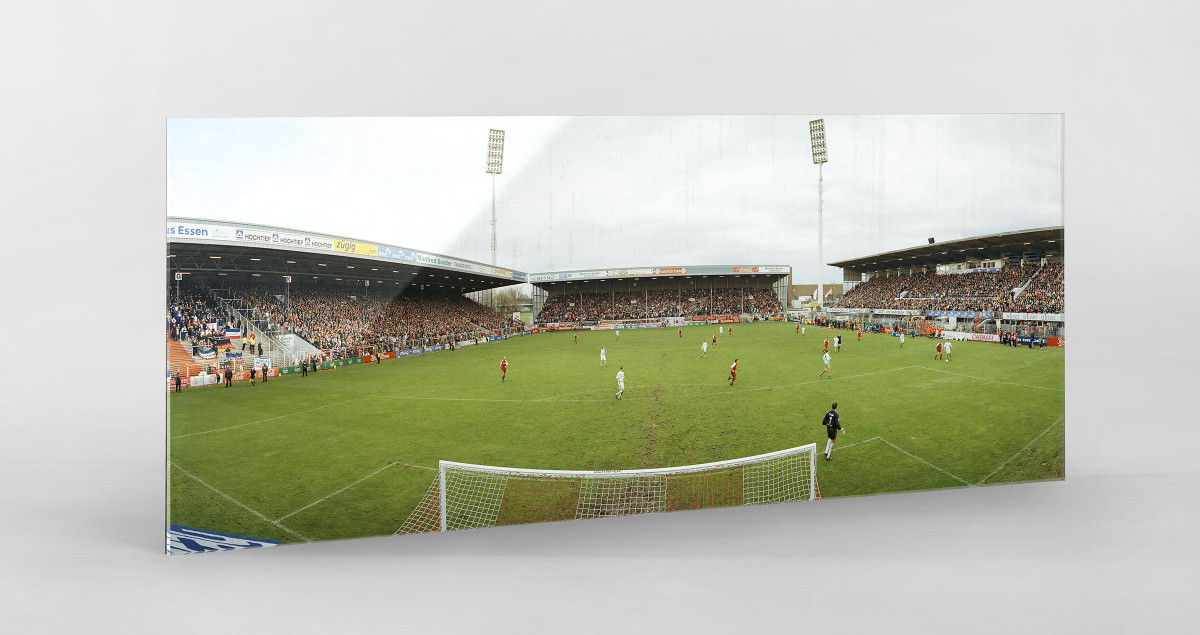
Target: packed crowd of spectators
x=973, y=291
x=1044, y=293
x=191, y=314
x=641, y=305
x=346, y=318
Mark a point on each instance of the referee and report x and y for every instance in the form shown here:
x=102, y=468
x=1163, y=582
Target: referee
x=831, y=428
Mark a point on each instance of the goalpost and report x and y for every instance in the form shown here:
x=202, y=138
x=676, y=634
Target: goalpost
x=465, y=496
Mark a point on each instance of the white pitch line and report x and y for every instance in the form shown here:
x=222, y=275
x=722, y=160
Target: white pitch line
x=963, y=481
x=1010, y=383
x=281, y=518
x=451, y=398
x=180, y=436
x=731, y=392
x=240, y=504
x=1027, y=445
x=847, y=447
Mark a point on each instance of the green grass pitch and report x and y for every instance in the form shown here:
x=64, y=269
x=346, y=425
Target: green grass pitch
x=349, y=452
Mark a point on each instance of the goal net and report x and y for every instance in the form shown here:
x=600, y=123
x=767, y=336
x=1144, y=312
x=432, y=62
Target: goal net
x=465, y=496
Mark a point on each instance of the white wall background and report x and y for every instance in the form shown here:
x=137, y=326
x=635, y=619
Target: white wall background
x=86, y=89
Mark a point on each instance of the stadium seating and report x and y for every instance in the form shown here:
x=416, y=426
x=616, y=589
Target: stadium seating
x=975, y=291
x=355, y=318
x=640, y=305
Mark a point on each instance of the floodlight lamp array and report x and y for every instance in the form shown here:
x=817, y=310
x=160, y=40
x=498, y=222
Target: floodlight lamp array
x=816, y=130
x=495, y=158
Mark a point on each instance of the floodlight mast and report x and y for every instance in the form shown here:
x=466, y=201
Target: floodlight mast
x=816, y=130
x=495, y=162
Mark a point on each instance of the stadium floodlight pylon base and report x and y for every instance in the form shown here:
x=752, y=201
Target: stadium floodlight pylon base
x=466, y=496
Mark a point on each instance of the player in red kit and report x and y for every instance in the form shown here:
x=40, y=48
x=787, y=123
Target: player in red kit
x=681, y=333
x=714, y=339
x=503, y=367
x=733, y=372
x=827, y=345
x=576, y=338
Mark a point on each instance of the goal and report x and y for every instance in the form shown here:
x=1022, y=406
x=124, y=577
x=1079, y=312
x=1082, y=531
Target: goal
x=465, y=496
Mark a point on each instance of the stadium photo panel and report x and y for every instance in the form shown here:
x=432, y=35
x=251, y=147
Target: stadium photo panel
x=392, y=326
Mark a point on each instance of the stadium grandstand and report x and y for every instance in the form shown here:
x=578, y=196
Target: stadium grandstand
x=653, y=296
x=242, y=294
x=985, y=288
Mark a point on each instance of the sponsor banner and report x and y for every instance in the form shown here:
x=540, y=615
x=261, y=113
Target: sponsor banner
x=1039, y=317
x=202, y=231
x=621, y=273
x=252, y=235
x=1023, y=340
x=185, y=540
x=208, y=353
x=241, y=375
x=671, y=271
x=493, y=338
x=272, y=372
x=356, y=248
x=388, y=356
x=465, y=343
x=966, y=314
x=184, y=382
x=318, y=243
x=1051, y=341
x=983, y=337
x=288, y=370
x=895, y=312
x=727, y=320
x=774, y=269
x=288, y=240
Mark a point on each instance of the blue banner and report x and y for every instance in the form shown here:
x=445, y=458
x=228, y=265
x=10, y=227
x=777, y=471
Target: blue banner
x=233, y=357
x=182, y=540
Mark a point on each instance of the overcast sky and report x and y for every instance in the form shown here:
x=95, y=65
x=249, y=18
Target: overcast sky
x=602, y=192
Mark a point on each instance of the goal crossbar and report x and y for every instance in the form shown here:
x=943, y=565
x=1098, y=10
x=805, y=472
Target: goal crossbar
x=466, y=495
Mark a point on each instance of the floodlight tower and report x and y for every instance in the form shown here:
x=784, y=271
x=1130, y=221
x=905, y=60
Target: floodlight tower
x=495, y=161
x=816, y=130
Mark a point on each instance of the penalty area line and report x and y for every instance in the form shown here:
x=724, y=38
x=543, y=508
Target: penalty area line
x=240, y=504
x=963, y=481
x=325, y=498
x=847, y=447
x=1027, y=446
x=1010, y=383
x=180, y=436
